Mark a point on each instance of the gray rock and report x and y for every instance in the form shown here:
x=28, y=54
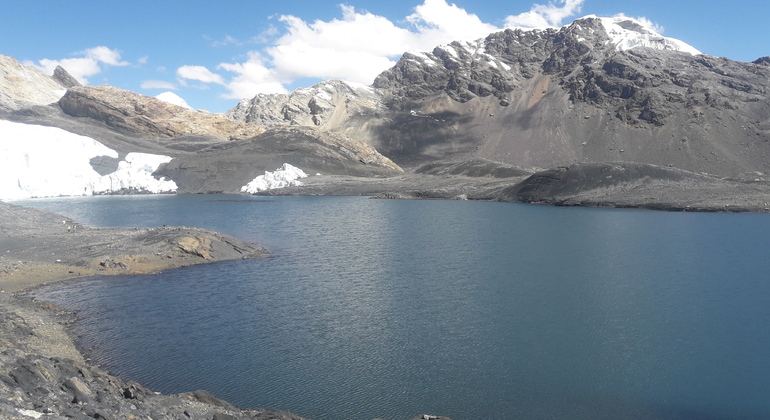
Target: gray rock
x=64, y=78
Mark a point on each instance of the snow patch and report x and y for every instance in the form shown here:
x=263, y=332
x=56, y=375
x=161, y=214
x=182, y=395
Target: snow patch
x=626, y=33
x=173, y=99
x=450, y=49
x=30, y=413
x=38, y=161
x=358, y=86
x=285, y=176
x=323, y=95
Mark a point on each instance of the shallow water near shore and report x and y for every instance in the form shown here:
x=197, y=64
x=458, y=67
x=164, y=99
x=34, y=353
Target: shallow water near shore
x=388, y=308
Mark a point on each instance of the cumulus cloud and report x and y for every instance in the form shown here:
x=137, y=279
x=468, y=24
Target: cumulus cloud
x=198, y=73
x=158, y=84
x=86, y=63
x=252, y=77
x=545, y=15
x=358, y=46
x=437, y=22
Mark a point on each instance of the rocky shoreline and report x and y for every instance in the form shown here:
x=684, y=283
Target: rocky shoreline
x=42, y=374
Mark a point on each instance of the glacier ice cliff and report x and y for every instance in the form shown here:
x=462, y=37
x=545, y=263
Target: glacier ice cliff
x=39, y=161
x=285, y=176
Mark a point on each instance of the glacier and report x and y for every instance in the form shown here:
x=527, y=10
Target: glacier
x=285, y=176
x=40, y=161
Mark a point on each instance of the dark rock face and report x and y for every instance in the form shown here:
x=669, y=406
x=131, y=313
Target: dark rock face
x=64, y=78
x=647, y=86
x=496, y=65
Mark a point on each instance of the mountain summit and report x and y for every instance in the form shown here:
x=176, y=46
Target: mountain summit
x=626, y=33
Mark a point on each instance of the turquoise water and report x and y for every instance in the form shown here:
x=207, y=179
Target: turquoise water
x=385, y=308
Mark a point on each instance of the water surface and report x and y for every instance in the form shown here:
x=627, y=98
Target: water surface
x=386, y=308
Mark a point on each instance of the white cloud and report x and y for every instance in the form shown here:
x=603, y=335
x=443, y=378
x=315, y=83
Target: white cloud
x=91, y=62
x=227, y=40
x=200, y=74
x=157, y=84
x=253, y=77
x=437, y=22
x=265, y=36
x=545, y=15
x=105, y=55
x=358, y=46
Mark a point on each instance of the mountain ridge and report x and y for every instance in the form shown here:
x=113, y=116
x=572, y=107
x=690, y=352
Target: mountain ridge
x=594, y=91
x=537, y=98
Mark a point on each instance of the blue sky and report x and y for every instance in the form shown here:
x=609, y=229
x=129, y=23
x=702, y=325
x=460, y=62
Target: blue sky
x=213, y=53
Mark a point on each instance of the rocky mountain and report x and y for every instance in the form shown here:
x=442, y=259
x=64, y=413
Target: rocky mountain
x=135, y=114
x=24, y=86
x=329, y=105
x=102, y=139
x=597, y=90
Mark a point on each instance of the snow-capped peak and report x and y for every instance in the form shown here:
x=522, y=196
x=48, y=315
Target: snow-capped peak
x=173, y=99
x=626, y=33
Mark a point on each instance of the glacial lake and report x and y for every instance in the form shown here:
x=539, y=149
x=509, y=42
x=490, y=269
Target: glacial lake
x=472, y=310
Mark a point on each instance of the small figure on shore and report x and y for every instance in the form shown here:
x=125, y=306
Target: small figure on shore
x=69, y=229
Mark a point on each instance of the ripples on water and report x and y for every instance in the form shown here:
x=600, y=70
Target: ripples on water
x=382, y=308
